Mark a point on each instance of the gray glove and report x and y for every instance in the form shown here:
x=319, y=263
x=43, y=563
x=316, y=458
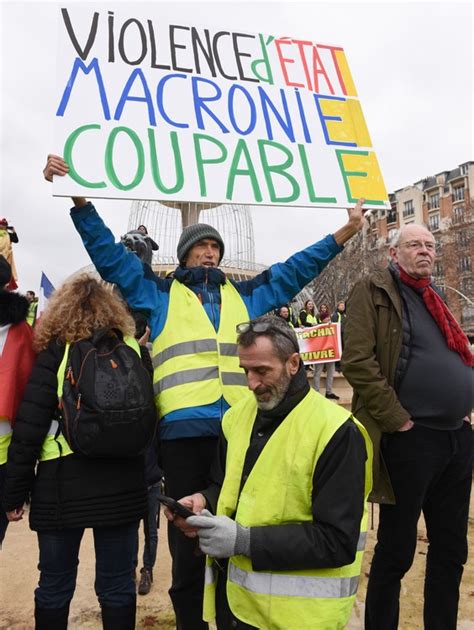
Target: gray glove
x=220, y=536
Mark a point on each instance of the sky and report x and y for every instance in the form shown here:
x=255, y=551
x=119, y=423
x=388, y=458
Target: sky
x=411, y=63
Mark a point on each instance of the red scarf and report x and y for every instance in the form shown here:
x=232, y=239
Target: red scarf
x=452, y=331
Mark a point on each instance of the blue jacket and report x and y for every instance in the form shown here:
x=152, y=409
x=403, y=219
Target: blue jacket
x=146, y=292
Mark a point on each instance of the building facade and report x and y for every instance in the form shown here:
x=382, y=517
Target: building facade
x=443, y=202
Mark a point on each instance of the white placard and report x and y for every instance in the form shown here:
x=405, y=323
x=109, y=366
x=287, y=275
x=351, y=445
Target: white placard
x=154, y=108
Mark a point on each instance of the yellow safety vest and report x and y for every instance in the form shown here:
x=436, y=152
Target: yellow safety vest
x=310, y=319
x=5, y=438
x=57, y=446
x=278, y=490
x=31, y=316
x=193, y=364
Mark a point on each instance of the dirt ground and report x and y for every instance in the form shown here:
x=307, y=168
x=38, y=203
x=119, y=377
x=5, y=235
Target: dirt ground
x=19, y=575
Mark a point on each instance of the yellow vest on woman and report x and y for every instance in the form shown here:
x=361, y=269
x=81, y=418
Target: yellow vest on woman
x=310, y=319
x=279, y=491
x=193, y=364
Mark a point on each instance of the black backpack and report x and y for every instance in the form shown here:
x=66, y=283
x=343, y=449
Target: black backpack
x=107, y=406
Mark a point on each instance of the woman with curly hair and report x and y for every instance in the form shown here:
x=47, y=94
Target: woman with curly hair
x=71, y=492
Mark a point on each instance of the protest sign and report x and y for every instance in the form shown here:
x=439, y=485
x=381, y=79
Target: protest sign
x=320, y=344
x=150, y=107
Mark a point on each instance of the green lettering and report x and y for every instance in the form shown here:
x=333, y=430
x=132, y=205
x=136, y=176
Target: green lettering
x=279, y=169
x=200, y=161
x=346, y=174
x=265, y=61
x=178, y=164
x=109, y=163
x=309, y=181
x=67, y=153
x=242, y=149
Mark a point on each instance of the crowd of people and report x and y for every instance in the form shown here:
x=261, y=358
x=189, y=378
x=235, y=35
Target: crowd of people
x=275, y=477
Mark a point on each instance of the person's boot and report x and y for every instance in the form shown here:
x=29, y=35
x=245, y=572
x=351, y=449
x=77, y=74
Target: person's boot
x=146, y=578
x=51, y=618
x=122, y=618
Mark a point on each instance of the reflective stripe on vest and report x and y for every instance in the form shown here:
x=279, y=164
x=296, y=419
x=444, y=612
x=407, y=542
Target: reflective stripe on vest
x=193, y=364
x=269, y=498
x=5, y=427
x=293, y=585
x=54, y=447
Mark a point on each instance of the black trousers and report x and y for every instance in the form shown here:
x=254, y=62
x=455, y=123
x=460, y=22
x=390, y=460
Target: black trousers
x=186, y=464
x=431, y=472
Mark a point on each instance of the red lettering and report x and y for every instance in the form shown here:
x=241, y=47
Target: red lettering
x=318, y=68
x=336, y=65
x=301, y=43
x=285, y=60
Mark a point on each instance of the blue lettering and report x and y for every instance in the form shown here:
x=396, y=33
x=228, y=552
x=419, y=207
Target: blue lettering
x=159, y=99
x=141, y=99
x=80, y=65
x=252, y=108
x=200, y=103
x=286, y=125
x=323, y=119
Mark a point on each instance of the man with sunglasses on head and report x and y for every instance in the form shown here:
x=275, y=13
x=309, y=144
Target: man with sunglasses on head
x=289, y=489
x=192, y=318
x=409, y=363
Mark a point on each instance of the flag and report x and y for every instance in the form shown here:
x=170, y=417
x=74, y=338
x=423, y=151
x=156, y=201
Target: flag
x=46, y=289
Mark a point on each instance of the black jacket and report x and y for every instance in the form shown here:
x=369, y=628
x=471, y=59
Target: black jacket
x=71, y=491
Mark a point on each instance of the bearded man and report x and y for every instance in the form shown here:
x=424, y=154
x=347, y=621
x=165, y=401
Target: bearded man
x=290, y=481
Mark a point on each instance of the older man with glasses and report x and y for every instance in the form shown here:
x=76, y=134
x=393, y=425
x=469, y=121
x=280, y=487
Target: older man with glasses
x=293, y=470
x=410, y=366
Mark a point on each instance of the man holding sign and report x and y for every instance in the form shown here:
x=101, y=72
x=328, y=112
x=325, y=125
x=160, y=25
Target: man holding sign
x=197, y=377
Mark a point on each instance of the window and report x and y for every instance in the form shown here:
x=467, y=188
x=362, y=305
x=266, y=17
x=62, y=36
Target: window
x=438, y=270
x=464, y=169
x=462, y=239
x=392, y=216
x=408, y=209
x=458, y=193
x=433, y=201
x=466, y=285
x=433, y=222
x=438, y=246
x=391, y=233
x=464, y=264
x=458, y=214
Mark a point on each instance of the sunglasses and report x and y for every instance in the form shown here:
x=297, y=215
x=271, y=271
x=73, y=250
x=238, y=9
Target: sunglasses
x=266, y=327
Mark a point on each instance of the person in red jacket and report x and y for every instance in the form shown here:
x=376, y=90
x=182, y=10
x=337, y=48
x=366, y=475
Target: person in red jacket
x=16, y=360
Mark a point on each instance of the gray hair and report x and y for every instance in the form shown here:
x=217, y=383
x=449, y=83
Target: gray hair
x=281, y=335
x=395, y=240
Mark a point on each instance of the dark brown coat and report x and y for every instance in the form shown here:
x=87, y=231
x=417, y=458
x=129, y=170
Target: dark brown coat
x=372, y=343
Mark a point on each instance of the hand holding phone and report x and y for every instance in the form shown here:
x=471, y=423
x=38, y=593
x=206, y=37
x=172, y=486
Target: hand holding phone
x=175, y=507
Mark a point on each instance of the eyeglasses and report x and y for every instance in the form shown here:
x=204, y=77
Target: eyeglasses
x=266, y=327
x=430, y=246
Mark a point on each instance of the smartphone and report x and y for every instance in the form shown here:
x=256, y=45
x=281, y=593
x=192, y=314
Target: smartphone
x=174, y=506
